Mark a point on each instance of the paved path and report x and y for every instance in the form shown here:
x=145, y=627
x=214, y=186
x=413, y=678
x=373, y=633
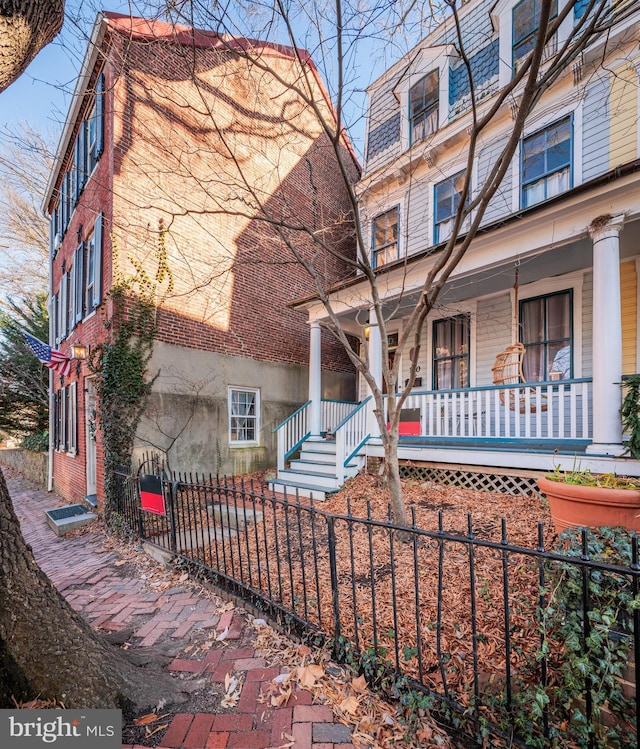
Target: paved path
x=100, y=581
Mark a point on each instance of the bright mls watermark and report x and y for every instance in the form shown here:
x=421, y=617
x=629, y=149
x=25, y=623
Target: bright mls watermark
x=61, y=729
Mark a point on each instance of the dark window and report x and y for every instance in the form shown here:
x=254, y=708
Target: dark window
x=423, y=107
x=385, y=238
x=546, y=330
x=447, y=200
x=451, y=338
x=546, y=163
x=526, y=19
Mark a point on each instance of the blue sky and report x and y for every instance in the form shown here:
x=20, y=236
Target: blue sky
x=41, y=95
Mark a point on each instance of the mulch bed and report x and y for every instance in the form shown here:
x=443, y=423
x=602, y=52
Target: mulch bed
x=434, y=609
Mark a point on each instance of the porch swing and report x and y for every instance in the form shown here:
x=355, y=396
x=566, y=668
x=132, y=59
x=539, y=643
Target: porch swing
x=507, y=370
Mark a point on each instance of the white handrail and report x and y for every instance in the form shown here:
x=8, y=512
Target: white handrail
x=351, y=434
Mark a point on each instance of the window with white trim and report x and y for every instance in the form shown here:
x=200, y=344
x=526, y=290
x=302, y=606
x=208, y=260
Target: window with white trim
x=85, y=154
x=424, y=101
x=546, y=330
x=385, y=238
x=546, y=162
x=93, y=267
x=446, y=200
x=244, y=416
x=451, y=352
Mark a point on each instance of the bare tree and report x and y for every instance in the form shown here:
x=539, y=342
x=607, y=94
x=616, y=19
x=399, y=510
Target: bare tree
x=26, y=158
x=333, y=33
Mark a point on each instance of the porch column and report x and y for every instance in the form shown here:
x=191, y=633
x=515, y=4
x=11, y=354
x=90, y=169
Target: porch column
x=607, y=336
x=315, y=379
x=375, y=367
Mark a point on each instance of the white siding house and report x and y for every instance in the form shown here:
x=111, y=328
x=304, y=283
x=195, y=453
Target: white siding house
x=553, y=265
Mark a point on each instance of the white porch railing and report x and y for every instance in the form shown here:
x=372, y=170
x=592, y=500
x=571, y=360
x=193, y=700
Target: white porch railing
x=334, y=413
x=295, y=429
x=351, y=434
x=559, y=410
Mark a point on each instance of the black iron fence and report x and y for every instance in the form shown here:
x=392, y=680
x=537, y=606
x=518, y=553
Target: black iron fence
x=534, y=647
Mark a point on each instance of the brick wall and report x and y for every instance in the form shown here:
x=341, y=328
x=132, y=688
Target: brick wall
x=212, y=154
x=202, y=139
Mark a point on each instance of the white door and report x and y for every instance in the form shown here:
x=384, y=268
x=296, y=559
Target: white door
x=90, y=435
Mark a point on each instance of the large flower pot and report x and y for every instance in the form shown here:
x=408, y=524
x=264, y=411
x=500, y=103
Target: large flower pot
x=574, y=505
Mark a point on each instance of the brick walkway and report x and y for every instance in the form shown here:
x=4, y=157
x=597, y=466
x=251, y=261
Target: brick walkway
x=112, y=596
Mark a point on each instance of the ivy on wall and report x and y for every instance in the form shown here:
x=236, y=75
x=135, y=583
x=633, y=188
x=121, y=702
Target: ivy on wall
x=121, y=365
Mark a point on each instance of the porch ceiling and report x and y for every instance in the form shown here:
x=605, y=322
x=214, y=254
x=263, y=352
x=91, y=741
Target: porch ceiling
x=534, y=266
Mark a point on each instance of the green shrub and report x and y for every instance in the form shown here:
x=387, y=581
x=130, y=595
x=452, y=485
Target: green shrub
x=37, y=443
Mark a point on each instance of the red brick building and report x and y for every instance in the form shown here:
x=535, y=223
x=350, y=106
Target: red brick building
x=200, y=144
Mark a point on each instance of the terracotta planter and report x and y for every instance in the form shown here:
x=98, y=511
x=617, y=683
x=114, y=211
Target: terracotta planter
x=573, y=505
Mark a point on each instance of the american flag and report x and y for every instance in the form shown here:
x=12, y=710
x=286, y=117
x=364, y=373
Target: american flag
x=48, y=356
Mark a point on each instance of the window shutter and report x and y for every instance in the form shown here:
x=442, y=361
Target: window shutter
x=99, y=114
x=52, y=234
x=56, y=422
x=72, y=438
x=53, y=310
x=71, y=297
x=79, y=282
x=63, y=418
x=81, y=157
x=97, y=262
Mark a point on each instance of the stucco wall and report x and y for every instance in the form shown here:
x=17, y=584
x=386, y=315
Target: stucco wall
x=188, y=411
x=33, y=466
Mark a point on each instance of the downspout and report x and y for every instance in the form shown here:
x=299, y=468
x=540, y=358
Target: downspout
x=51, y=343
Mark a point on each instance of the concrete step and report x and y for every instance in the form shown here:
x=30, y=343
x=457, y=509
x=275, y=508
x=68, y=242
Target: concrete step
x=291, y=488
x=232, y=516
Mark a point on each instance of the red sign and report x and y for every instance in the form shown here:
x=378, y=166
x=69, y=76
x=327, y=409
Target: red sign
x=151, y=494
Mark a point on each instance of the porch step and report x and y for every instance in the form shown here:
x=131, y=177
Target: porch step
x=320, y=446
x=322, y=481
x=320, y=458
x=313, y=467
x=314, y=472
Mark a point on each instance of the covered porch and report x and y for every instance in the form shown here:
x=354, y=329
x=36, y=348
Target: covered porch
x=548, y=418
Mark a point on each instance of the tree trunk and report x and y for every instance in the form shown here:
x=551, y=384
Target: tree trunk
x=392, y=479
x=48, y=649
x=26, y=26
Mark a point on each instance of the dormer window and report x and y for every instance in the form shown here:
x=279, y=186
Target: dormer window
x=424, y=101
x=526, y=19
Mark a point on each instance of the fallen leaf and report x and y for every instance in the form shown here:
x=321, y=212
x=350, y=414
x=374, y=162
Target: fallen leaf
x=350, y=705
x=120, y=563
x=308, y=675
x=145, y=719
x=359, y=684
